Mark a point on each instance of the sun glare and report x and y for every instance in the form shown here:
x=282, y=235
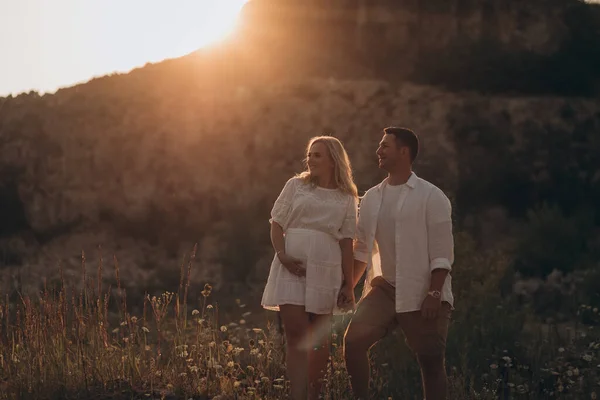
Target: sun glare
x=70, y=41
x=217, y=20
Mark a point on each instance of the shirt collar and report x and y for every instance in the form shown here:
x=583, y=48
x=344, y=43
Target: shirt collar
x=411, y=182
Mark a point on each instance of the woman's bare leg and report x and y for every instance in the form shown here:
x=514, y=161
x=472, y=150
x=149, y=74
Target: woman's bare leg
x=320, y=333
x=296, y=326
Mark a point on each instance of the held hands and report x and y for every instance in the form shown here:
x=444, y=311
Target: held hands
x=292, y=264
x=346, y=300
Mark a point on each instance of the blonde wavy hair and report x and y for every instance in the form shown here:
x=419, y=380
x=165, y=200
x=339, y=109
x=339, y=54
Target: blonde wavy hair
x=343, y=169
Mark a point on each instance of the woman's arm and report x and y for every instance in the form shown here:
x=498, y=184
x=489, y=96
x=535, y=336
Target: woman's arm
x=277, y=238
x=292, y=264
x=347, y=261
x=346, y=300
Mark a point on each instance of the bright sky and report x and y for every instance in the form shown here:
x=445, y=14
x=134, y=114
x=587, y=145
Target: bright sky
x=48, y=44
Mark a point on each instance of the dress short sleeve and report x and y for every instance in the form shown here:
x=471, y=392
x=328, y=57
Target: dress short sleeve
x=281, y=209
x=348, y=229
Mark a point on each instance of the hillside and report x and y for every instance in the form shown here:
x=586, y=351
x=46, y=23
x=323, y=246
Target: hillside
x=195, y=150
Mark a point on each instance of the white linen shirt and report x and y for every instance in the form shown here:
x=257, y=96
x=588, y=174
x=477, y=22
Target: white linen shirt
x=423, y=240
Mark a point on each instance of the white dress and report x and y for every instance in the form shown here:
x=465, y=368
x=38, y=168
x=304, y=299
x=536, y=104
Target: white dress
x=314, y=220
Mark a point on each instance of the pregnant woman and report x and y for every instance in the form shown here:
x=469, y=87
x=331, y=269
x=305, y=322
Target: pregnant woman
x=313, y=222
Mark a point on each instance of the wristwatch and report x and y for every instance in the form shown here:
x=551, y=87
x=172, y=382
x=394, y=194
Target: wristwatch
x=436, y=294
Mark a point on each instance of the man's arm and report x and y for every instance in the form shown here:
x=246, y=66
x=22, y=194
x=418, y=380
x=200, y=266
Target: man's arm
x=440, y=238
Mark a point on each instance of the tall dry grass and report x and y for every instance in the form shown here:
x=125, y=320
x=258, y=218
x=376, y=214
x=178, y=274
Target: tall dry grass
x=85, y=342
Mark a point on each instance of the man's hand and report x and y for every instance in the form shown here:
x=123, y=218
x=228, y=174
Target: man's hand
x=346, y=300
x=292, y=264
x=430, y=307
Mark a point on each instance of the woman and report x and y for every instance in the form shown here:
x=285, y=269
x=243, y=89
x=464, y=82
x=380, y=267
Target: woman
x=313, y=222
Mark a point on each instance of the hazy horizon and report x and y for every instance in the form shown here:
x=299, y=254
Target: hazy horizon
x=45, y=46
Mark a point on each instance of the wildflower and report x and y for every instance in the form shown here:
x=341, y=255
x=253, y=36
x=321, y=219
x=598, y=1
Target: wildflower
x=254, y=352
x=265, y=379
x=134, y=319
x=124, y=323
x=278, y=387
x=145, y=329
x=116, y=330
x=261, y=342
x=223, y=328
x=237, y=384
x=507, y=359
x=587, y=357
x=207, y=290
x=195, y=312
x=257, y=330
x=210, y=306
x=230, y=364
x=561, y=349
x=250, y=368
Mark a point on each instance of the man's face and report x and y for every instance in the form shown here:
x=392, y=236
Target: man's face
x=389, y=153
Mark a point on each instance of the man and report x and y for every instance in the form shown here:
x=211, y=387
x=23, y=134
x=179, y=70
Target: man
x=404, y=241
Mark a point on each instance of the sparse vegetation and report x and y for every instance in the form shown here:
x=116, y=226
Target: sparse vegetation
x=86, y=343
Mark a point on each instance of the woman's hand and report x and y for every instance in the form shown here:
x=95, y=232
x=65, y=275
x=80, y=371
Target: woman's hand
x=292, y=264
x=346, y=300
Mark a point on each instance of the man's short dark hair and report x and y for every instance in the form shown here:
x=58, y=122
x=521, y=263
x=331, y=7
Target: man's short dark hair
x=405, y=137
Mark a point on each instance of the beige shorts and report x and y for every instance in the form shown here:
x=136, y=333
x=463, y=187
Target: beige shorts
x=376, y=313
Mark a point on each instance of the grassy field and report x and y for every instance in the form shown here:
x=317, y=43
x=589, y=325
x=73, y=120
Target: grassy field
x=78, y=343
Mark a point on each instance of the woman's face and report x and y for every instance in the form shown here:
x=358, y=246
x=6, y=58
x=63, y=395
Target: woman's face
x=320, y=163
